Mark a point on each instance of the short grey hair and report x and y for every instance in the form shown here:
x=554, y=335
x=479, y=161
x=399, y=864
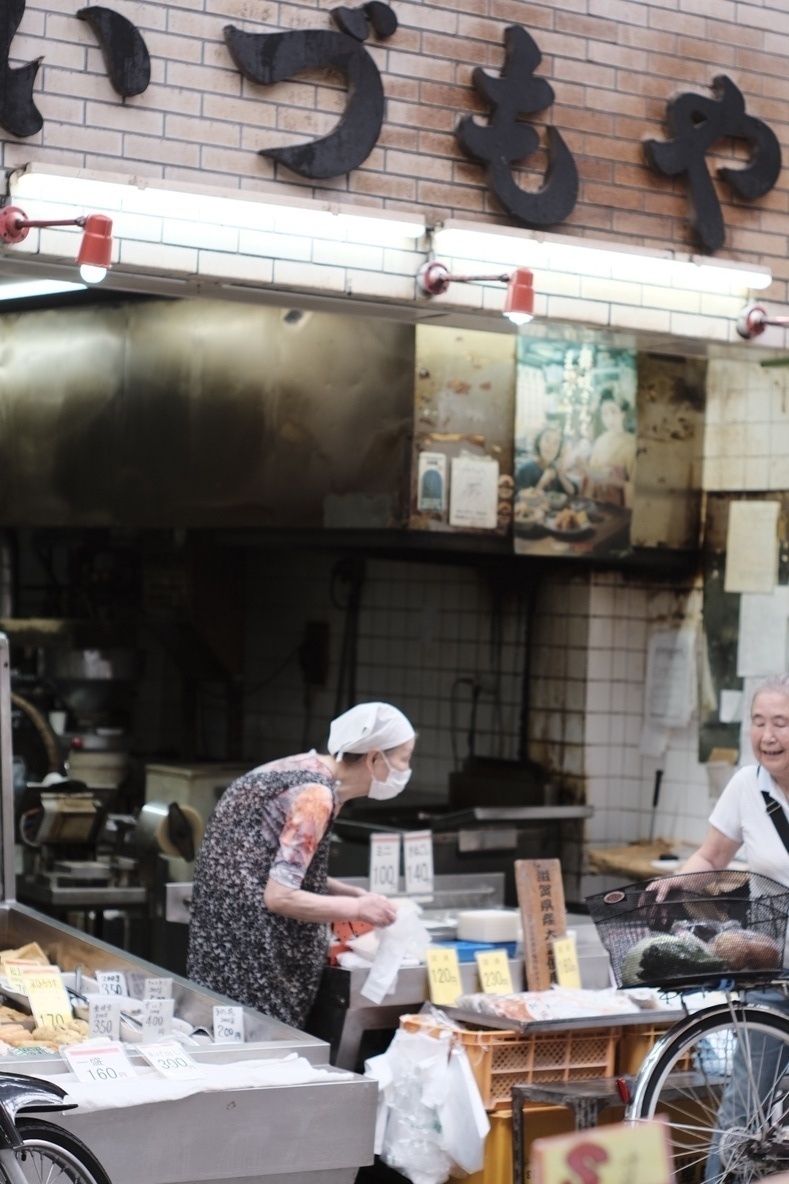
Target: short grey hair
x=774, y=682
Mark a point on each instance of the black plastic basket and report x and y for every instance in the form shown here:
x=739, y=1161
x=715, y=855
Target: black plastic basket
x=709, y=926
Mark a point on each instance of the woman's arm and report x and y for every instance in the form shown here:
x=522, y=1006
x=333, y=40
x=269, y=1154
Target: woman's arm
x=340, y=888
x=714, y=854
x=313, y=906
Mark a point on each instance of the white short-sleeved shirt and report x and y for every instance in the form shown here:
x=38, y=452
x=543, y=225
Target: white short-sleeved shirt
x=741, y=815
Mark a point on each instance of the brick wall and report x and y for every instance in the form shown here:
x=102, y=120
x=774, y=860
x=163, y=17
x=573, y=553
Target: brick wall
x=612, y=63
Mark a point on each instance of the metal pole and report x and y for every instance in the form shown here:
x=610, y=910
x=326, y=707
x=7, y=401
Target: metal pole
x=6, y=775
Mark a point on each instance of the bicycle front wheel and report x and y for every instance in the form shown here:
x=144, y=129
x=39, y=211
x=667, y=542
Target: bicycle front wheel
x=50, y=1155
x=719, y=1078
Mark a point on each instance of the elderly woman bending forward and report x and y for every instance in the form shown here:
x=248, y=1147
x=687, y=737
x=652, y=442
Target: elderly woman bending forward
x=262, y=896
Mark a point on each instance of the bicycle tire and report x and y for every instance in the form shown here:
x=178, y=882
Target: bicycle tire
x=691, y=1073
x=66, y=1158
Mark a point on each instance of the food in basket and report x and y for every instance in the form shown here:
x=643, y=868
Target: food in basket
x=665, y=957
x=744, y=949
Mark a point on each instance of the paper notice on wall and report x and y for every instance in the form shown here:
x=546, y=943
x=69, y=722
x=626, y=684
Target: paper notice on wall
x=432, y=482
x=671, y=678
x=730, y=707
x=761, y=644
x=474, y=490
x=752, y=547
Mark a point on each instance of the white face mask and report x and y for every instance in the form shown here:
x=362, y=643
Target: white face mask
x=395, y=783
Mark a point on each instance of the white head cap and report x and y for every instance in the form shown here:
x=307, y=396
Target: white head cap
x=367, y=726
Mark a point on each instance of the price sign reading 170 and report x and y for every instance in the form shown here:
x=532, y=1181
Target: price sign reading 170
x=418, y=858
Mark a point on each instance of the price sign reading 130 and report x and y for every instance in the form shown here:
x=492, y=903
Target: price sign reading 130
x=384, y=863
x=418, y=856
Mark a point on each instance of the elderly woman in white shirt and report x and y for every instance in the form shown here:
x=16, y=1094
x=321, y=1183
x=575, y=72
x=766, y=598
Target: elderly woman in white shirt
x=753, y=814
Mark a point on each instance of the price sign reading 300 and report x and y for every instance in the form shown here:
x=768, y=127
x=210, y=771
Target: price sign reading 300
x=418, y=855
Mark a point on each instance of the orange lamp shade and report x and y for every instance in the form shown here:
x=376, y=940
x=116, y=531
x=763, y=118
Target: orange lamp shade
x=96, y=246
x=519, y=301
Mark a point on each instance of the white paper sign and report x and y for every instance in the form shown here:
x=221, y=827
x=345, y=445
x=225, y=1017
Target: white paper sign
x=384, y=863
x=418, y=857
x=761, y=643
x=169, y=1059
x=157, y=1019
x=111, y=982
x=730, y=709
x=752, y=547
x=158, y=988
x=671, y=678
x=104, y=1017
x=228, y=1025
x=474, y=492
x=432, y=482
x=106, y=1063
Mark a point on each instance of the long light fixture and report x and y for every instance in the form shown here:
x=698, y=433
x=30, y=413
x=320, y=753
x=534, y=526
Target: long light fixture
x=126, y=195
x=95, y=252
x=28, y=289
x=560, y=253
x=434, y=278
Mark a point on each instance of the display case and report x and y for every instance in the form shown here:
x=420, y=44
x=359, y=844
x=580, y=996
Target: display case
x=318, y=1130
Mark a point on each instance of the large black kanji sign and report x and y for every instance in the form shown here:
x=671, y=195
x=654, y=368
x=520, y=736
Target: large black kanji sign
x=506, y=140
x=272, y=57
x=125, y=53
x=694, y=124
x=18, y=113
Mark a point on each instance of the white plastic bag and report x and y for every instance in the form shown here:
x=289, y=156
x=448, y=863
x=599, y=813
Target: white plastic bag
x=405, y=937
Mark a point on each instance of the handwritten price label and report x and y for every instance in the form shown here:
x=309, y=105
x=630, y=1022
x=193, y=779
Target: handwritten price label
x=494, y=972
x=565, y=959
x=169, y=1059
x=111, y=982
x=158, y=988
x=104, y=1017
x=157, y=1019
x=101, y=1063
x=228, y=1025
x=418, y=858
x=49, y=1002
x=384, y=863
x=606, y=1155
x=14, y=969
x=443, y=972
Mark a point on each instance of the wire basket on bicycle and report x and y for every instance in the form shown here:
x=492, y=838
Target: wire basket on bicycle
x=708, y=926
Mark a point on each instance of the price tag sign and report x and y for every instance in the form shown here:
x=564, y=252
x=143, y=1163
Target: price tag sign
x=565, y=959
x=384, y=863
x=157, y=1019
x=443, y=972
x=13, y=971
x=228, y=1025
x=104, y=1017
x=136, y=980
x=105, y=1063
x=49, y=1002
x=169, y=1059
x=418, y=857
x=494, y=972
x=158, y=988
x=111, y=982
x=606, y=1155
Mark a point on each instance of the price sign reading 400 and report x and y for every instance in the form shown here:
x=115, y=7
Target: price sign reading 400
x=418, y=856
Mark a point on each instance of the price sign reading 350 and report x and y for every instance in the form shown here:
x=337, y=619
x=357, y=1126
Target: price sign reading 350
x=384, y=863
x=418, y=855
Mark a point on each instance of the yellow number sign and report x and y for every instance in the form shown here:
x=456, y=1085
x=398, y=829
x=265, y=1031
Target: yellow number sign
x=494, y=972
x=49, y=1002
x=443, y=971
x=565, y=957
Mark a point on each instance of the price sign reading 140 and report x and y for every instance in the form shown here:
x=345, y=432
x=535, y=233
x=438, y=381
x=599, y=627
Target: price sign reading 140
x=418, y=856
x=384, y=863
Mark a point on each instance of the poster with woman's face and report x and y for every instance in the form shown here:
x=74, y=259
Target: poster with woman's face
x=575, y=448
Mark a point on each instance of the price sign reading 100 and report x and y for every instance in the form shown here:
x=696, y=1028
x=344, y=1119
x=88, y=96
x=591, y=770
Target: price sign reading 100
x=384, y=863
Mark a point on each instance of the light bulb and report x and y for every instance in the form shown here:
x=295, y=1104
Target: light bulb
x=519, y=318
x=91, y=274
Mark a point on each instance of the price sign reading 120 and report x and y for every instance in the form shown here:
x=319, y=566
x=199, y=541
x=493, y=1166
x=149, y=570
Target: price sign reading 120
x=418, y=857
x=384, y=863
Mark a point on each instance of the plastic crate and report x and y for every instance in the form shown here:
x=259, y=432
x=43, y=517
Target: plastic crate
x=500, y=1060
x=638, y=1040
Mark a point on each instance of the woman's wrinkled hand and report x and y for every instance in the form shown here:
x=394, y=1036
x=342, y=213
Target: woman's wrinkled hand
x=375, y=910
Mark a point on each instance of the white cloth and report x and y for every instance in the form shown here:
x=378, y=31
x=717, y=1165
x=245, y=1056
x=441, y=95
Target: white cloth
x=741, y=815
x=148, y=1086
x=367, y=726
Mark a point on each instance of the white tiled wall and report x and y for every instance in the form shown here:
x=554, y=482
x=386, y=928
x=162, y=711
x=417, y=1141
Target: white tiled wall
x=746, y=439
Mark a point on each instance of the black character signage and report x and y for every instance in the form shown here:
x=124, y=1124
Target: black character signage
x=273, y=57
x=125, y=53
x=694, y=124
x=18, y=113
x=506, y=140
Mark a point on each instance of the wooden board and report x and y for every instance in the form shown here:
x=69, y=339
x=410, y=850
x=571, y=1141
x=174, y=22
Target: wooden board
x=543, y=915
